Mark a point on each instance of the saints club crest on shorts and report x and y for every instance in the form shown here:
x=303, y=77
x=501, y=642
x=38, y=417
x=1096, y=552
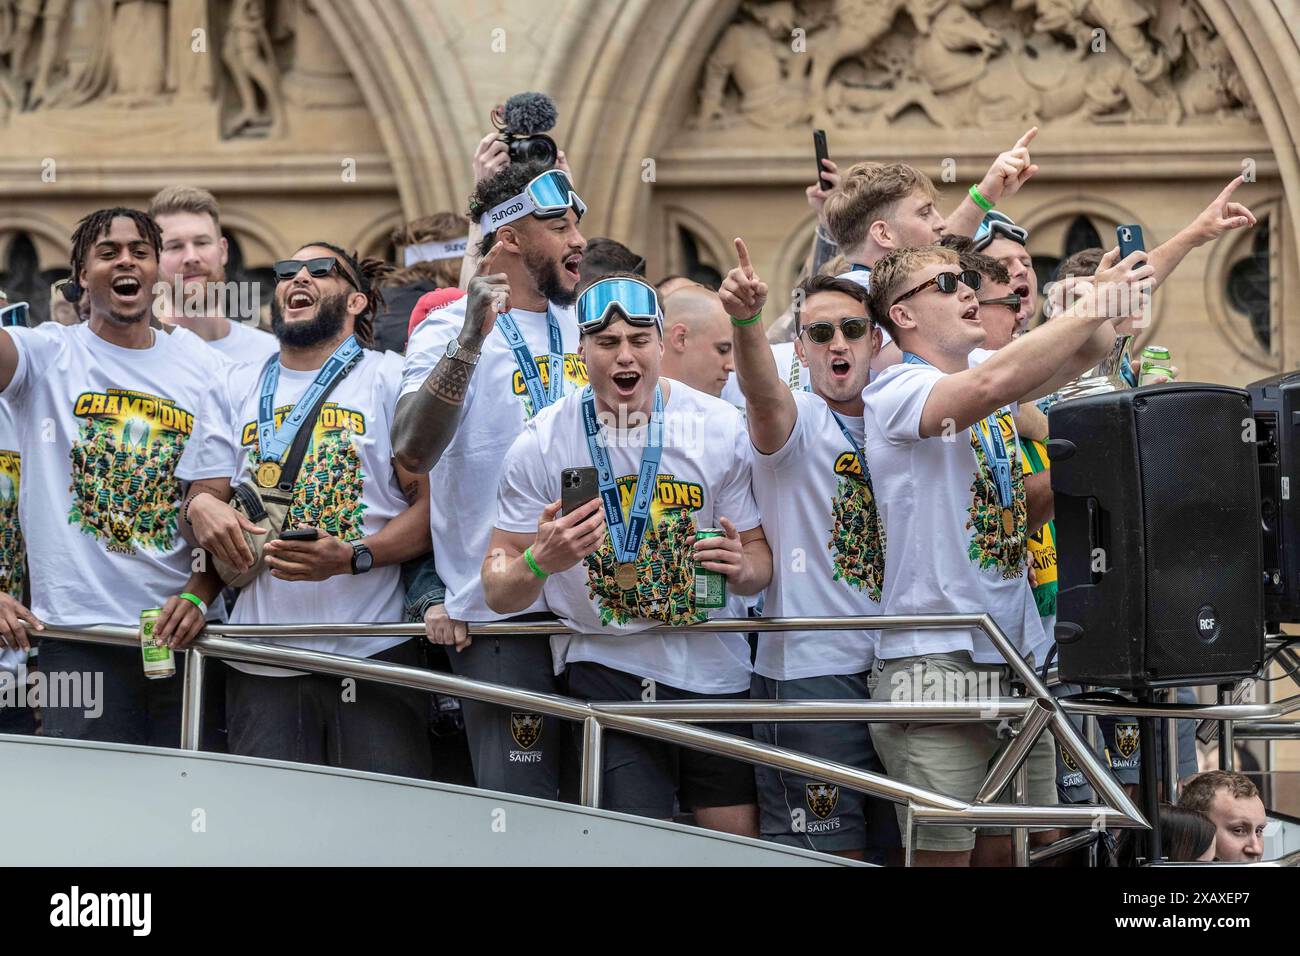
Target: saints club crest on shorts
x=525, y=728
x=1126, y=739
x=1066, y=759
x=822, y=798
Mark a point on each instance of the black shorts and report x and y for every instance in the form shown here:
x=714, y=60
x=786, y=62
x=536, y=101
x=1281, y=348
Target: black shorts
x=650, y=778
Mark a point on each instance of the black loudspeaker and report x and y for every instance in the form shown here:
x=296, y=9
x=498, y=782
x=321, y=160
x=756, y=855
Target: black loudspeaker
x=1158, y=537
x=1276, y=403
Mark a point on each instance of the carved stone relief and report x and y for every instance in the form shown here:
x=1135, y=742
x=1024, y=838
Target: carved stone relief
x=969, y=63
x=243, y=61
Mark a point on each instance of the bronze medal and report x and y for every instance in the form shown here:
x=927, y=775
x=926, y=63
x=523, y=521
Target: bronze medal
x=625, y=577
x=1008, y=520
x=268, y=474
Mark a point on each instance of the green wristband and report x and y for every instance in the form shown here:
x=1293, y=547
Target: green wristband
x=742, y=323
x=978, y=199
x=197, y=601
x=532, y=564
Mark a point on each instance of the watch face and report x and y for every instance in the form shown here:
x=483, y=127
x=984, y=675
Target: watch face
x=362, y=559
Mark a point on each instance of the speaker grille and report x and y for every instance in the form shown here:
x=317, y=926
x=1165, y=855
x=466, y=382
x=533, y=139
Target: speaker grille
x=1201, y=530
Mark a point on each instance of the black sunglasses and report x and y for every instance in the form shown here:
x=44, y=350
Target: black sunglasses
x=945, y=282
x=821, y=333
x=319, y=268
x=1011, y=301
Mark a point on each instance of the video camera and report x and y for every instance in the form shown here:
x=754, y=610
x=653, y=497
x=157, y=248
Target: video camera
x=523, y=122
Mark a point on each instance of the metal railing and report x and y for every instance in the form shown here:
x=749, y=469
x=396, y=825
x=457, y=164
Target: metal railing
x=674, y=722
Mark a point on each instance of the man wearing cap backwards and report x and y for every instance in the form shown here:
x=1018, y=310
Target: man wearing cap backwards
x=671, y=461
x=475, y=372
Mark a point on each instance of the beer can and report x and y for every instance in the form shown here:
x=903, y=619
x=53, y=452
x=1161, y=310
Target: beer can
x=159, y=660
x=710, y=586
x=1150, y=356
x=1151, y=372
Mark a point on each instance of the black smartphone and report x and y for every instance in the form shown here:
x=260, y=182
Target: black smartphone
x=819, y=144
x=577, y=487
x=1130, y=240
x=300, y=534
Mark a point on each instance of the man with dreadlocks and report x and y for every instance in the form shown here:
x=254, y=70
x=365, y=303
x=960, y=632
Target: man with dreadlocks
x=93, y=401
x=364, y=515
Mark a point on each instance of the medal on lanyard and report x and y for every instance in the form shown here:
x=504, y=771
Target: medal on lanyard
x=996, y=454
x=626, y=537
x=528, y=365
x=272, y=442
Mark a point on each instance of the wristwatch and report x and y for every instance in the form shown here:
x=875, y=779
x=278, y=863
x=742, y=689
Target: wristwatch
x=461, y=354
x=362, y=559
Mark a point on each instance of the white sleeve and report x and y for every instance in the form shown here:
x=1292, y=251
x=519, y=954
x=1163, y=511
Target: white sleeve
x=897, y=402
x=213, y=449
x=734, y=496
x=37, y=351
x=428, y=345
x=522, y=494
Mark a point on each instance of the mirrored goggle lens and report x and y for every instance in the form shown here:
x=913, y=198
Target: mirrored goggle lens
x=552, y=192
x=14, y=315
x=821, y=333
x=637, y=303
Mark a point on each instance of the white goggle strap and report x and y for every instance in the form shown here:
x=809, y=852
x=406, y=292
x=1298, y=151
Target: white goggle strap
x=516, y=207
x=433, y=251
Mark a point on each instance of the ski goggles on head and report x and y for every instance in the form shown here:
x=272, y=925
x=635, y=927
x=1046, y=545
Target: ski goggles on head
x=945, y=282
x=548, y=196
x=997, y=224
x=635, y=301
x=14, y=314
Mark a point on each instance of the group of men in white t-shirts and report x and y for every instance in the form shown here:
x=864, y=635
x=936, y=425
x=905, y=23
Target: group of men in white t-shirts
x=865, y=472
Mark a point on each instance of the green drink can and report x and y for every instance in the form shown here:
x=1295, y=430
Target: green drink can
x=710, y=586
x=1153, y=357
x=159, y=660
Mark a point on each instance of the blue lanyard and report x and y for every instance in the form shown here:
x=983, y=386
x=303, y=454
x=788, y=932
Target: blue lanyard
x=989, y=434
x=273, y=442
x=857, y=452
x=528, y=365
x=626, y=538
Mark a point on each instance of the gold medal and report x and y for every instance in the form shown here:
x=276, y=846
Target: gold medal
x=268, y=474
x=625, y=577
x=1008, y=520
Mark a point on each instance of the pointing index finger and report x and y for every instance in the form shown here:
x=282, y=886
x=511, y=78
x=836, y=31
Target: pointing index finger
x=743, y=254
x=1229, y=189
x=1027, y=138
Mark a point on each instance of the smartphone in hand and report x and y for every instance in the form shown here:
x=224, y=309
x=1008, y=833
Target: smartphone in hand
x=300, y=534
x=819, y=146
x=577, y=487
x=1130, y=240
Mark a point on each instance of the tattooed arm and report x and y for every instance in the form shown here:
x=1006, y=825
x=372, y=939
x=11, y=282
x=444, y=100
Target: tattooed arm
x=426, y=420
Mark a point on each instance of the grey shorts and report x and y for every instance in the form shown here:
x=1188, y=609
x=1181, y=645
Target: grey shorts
x=815, y=814
x=951, y=759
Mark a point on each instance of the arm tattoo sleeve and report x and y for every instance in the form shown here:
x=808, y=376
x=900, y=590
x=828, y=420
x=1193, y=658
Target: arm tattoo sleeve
x=449, y=382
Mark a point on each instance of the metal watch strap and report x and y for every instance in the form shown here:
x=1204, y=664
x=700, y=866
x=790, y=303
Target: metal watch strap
x=461, y=354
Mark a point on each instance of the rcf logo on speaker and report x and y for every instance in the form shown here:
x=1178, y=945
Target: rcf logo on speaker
x=1207, y=624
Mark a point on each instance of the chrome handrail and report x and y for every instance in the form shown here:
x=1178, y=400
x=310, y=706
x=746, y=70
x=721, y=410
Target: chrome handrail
x=1039, y=713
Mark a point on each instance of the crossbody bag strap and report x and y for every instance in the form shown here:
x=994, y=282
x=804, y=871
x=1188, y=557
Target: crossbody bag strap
x=298, y=450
